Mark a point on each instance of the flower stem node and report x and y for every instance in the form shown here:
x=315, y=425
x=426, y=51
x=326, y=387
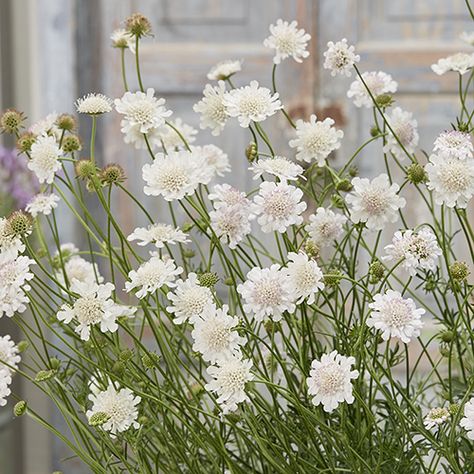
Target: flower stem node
x=11, y=121
x=99, y=418
x=112, y=174
x=251, y=152
x=20, y=223
x=459, y=271
x=44, y=375
x=20, y=408
x=66, y=122
x=376, y=272
x=71, y=143
x=25, y=141
x=208, y=279
x=384, y=100
x=416, y=174
x=138, y=25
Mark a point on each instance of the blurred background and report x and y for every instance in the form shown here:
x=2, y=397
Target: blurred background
x=53, y=51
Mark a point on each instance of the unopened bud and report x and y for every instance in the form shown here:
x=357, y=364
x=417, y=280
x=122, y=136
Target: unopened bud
x=208, y=279
x=66, y=122
x=251, y=152
x=99, y=418
x=384, y=100
x=459, y=271
x=20, y=408
x=416, y=174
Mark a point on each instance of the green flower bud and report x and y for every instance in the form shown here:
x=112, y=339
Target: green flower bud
x=143, y=420
x=384, y=100
x=66, y=122
x=23, y=345
x=126, y=355
x=444, y=350
x=374, y=131
x=251, y=152
x=229, y=281
x=376, y=272
x=71, y=143
x=188, y=253
x=454, y=408
x=353, y=171
x=271, y=326
x=187, y=226
x=463, y=127
x=20, y=408
x=44, y=375
x=416, y=174
x=11, y=121
x=447, y=336
x=311, y=249
x=151, y=360
x=333, y=278
x=459, y=271
x=344, y=185
x=208, y=279
x=99, y=418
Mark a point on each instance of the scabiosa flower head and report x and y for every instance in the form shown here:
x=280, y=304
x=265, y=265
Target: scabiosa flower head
x=42, y=204
x=120, y=406
x=142, y=111
x=44, y=162
x=279, y=166
x=459, y=62
x=467, y=422
x=216, y=160
x=10, y=243
x=395, y=316
x=405, y=128
x=330, y=380
x=267, y=292
x=171, y=140
x=212, y=109
x=229, y=379
x=94, y=104
x=417, y=250
x=8, y=354
x=214, y=334
x=158, y=234
x=454, y=143
x=316, y=140
x=226, y=195
x=305, y=277
x=14, y=276
x=435, y=417
x=189, y=299
x=122, y=39
x=152, y=275
x=251, y=103
x=78, y=270
x=340, y=57
x=374, y=202
x=231, y=223
x=278, y=206
x=93, y=306
x=451, y=179
x=11, y=121
x=224, y=69
x=5, y=381
x=46, y=126
x=325, y=226
x=287, y=41
x=173, y=176
x=378, y=83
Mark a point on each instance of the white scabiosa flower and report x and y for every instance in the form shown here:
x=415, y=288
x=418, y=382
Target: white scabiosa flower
x=42, y=204
x=251, y=103
x=5, y=381
x=325, y=226
x=94, y=306
x=14, y=277
x=378, y=82
x=287, y=41
x=395, y=316
x=170, y=138
x=10, y=244
x=216, y=160
x=279, y=166
x=467, y=422
x=267, y=292
x=451, y=180
x=158, y=234
x=224, y=69
x=189, y=299
x=330, y=380
x=455, y=144
x=436, y=417
x=340, y=57
x=94, y=104
x=47, y=126
x=467, y=37
x=231, y=224
x=214, y=334
x=374, y=202
x=226, y=195
x=212, y=109
x=416, y=250
x=173, y=176
x=119, y=405
x=121, y=38
x=44, y=158
x=304, y=276
x=77, y=269
x=316, y=140
x=142, y=111
x=8, y=354
x=278, y=206
x=406, y=129
x=152, y=275
x=229, y=379
x=459, y=62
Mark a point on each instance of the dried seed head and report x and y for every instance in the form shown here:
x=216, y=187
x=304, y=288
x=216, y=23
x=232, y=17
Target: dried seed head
x=71, y=143
x=112, y=174
x=459, y=271
x=138, y=25
x=11, y=121
x=24, y=142
x=19, y=223
x=85, y=169
x=66, y=122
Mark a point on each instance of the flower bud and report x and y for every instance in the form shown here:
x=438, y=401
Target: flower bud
x=150, y=360
x=376, y=272
x=118, y=368
x=11, y=121
x=333, y=278
x=447, y=336
x=66, y=122
x=99, y=418
x=251, y=152
x=311, y=249
x=19, y=223
x=143, y=420
x=384, y=100
x=453, y=409
x=126, y=355
x=112, y=174
x=459, y=271
x=44, y=375
x=138, y=25
x=416, y=174
x=85, y=169
x=344, y=185
x=71, y=143
x=22, y=346
x=374, y=131
x=20, y=408
x=444, y=350
x=188, y=253
x=229, y=281
x=24, y=142
x=208, y=279
x=54, y=363
x=187, y=226
x=353, y=171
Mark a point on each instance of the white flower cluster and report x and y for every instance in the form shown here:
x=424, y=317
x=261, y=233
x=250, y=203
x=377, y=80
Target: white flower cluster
x=9, y=360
